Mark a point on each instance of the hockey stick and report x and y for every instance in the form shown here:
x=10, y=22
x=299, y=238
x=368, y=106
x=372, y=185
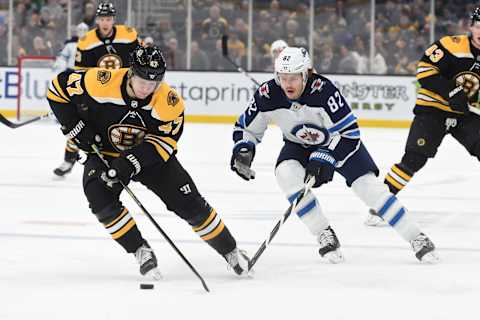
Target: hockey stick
x=239, y=69
x=170, y=242
x=14, y=125
x=263, y=246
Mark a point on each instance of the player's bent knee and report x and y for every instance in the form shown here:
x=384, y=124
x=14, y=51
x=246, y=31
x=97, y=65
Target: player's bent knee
x=109, y=213
x=290, y=176
x=370, y=189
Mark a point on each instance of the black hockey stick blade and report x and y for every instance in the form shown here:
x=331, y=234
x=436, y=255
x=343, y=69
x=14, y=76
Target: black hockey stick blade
x=14, y=125
x=225, y=45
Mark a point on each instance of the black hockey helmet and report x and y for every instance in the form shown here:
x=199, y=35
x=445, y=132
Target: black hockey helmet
x=475, y=16
x=106, y=9
x=148, y=63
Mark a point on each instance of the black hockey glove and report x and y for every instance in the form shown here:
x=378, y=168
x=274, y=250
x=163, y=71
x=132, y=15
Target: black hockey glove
x=321, y=166
x=242, y=158
x=458, y=100
x=121, y=169
x=83, y=136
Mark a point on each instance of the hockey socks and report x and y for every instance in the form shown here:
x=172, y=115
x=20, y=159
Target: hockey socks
x=213, y=231
x=123, y=229
x=397, y=178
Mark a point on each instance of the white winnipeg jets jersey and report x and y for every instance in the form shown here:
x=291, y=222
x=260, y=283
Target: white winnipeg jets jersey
x=320, y=118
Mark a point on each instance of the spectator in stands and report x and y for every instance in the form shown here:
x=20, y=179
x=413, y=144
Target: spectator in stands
x=325, y=61
x=294, y=36
x=218, y=62
x=198, y=59
x=175, y=58
x=89, y=15
x=213, y=28
x=241, y=28
x=40, y=48
x=348, y=62
x=3, y=44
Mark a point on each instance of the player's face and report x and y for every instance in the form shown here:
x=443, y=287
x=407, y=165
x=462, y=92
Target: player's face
x=142, y=88
x=292, y=84
x=475, y=30
x=105, y=25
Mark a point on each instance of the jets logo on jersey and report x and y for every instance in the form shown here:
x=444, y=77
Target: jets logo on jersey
x=264, y=91
x=317, y=85
x=310, y=134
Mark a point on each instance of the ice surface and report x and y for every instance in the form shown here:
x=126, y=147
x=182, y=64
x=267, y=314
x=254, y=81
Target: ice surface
x=57, y=261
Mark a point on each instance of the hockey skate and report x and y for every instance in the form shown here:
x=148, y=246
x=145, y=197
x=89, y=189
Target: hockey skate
x=330, y=246
x=148, y=262
x=64, y=169
x=374, y=220
x=238, y=261
x=424, y=249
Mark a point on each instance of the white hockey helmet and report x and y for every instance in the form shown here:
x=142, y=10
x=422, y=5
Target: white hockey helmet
x=277, y=45
x=308, y=61
x=292, y=60
x=81, y=29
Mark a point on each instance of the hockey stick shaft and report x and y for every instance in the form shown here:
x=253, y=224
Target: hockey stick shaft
x=264, y=245
x=14, y=125
x=165, y=236
x=239, y=69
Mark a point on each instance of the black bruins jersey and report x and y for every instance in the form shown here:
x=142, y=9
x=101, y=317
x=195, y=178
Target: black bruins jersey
x=149, y=129
x=449, y=62
x=109, y=53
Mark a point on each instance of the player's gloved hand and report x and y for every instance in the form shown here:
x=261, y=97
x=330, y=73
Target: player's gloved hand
x=458, y=100
x=242, y=158
x=83, y=136
x=321, y=166
x=120, y=169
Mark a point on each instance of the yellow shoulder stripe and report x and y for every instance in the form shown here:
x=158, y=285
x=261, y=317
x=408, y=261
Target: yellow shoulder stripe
x=125, y=34
x=104, y=85
x=459, y=46
x=431, y=94
x=53, y=96
x=58, y=88
x=88, y=40
x=167, y=104
x=425, y=74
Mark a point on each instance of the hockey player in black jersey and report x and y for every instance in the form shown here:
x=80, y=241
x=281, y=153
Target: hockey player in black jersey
x=321, y=137
x=136, y=120
x=449, y=78
x=107, y=46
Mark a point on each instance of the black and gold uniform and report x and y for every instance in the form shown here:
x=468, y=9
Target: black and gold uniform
x=448, y=75
x=110, y=53
x=94, y=50
x=139, y=139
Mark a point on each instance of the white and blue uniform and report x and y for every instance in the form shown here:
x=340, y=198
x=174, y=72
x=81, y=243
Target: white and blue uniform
x=319, y=119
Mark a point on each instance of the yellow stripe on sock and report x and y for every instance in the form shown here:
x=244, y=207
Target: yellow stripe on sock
x=215, y=232
x=393, y=182
x=123, y=230
x=212, y=215
x=402, y=174
x=122, y=214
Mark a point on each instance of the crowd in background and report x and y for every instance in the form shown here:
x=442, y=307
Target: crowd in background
x=341, y=36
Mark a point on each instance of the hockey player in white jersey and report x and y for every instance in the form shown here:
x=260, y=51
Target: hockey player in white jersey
x=66, y=58
x=321, y=137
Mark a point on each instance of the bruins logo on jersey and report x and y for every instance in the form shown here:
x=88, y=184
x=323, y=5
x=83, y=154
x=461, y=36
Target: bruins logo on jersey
x=172, y=98
x=469, y=81
x=103, y=76
x=125, y=136
x=110, y=61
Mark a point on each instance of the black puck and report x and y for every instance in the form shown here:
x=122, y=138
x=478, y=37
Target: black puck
x=146, y=286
